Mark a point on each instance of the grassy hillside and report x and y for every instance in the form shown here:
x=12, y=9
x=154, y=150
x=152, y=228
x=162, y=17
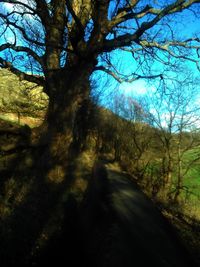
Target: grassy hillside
x=21, y=101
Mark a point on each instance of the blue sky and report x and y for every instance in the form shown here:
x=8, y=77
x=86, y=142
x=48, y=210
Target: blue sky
x=186, y=27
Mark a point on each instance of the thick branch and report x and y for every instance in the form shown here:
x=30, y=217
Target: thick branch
x=100, y=18
x=42, y=12
x=76, y=19
x=127, y=39
x=127, y=12
x=166, y=45
x=125, y=15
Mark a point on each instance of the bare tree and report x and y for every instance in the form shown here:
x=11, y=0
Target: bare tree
x=175, y=115
x=62, y=41
x=134, y=131
x=187, y=142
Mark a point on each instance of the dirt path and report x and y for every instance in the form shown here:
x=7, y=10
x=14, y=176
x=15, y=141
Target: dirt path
x=127, y=229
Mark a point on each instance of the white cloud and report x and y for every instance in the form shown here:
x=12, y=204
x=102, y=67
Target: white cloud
x=135, y=88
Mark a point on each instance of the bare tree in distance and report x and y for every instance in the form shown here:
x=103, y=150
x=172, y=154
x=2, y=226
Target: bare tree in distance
x=134, y=131
x=175, y=114
x=66, y=41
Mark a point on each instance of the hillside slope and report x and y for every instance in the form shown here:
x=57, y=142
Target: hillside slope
x=21, y=101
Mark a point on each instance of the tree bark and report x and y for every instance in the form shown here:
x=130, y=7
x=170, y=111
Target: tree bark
x=64, y=130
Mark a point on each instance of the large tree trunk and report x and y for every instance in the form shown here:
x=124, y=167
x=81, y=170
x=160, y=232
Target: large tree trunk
x=65, y=125
x=38, y=212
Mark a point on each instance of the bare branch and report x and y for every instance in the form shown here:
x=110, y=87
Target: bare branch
x=18, y=3
x=125, y=15
x=128, y=8
x=22, y=75
x=20, y=13
x=22, y=49
x=127, y=12
x=126, y=79
x=127, y=39
x=21, y=29
x=111, y=73
x=166, y=47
